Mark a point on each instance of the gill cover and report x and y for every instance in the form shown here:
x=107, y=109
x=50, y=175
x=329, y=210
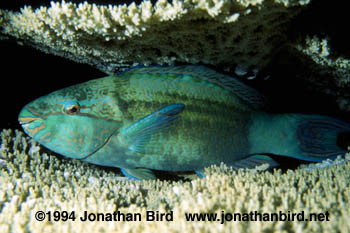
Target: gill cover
x=75, y=136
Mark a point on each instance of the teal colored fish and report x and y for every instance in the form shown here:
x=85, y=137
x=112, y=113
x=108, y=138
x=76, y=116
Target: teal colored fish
x=181, y=118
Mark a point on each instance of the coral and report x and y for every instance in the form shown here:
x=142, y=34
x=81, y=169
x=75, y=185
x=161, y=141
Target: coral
x=319, y=51
x=324, y=63
x=32, y=180
x=220, y=32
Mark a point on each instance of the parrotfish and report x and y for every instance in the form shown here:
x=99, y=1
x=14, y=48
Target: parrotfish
x=177, y=118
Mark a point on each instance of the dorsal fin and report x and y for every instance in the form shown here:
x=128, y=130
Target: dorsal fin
x=230, y=83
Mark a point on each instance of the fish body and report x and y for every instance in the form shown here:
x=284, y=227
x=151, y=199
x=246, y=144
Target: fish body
x=180, y=118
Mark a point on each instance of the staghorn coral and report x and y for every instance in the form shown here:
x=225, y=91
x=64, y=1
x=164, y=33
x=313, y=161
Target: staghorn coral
x=220, y=32
x=32, y=180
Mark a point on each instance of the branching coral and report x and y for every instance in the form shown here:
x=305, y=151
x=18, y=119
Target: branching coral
x=219, y=32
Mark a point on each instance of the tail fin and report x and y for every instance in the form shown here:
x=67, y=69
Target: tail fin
x=307, y=137
x=318, y=136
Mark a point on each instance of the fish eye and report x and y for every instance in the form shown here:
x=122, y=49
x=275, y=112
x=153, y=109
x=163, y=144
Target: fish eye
x=72, y=109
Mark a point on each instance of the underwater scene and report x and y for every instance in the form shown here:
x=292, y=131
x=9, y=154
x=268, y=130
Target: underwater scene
x=174, y=116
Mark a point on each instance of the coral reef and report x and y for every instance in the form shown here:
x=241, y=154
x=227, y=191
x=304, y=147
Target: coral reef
x=221, y=33
x=239, y=35
x=32, y=180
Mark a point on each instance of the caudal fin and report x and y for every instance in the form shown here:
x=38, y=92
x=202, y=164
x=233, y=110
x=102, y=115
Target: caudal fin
x=318, y=137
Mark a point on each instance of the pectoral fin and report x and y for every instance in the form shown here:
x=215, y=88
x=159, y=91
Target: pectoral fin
x=138, y=173
x=200, y=173
x=138, y=136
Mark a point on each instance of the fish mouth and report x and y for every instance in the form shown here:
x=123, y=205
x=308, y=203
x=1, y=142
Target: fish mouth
x=25, y=121
x=30, y=122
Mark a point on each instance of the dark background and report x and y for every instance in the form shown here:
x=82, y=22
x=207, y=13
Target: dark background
x=28, y=74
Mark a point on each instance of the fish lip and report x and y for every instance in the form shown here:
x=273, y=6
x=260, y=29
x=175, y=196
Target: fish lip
x=25, y=121
x=27, y=116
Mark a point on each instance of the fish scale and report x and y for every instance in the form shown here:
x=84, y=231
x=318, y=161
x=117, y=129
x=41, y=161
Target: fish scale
x=180, y=118
x=206, y=114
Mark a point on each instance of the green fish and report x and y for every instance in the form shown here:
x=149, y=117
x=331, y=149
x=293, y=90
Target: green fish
x=180, y=118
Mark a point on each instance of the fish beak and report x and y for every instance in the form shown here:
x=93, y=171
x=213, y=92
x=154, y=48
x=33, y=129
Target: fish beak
x=26, y=117
x=25, y=121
